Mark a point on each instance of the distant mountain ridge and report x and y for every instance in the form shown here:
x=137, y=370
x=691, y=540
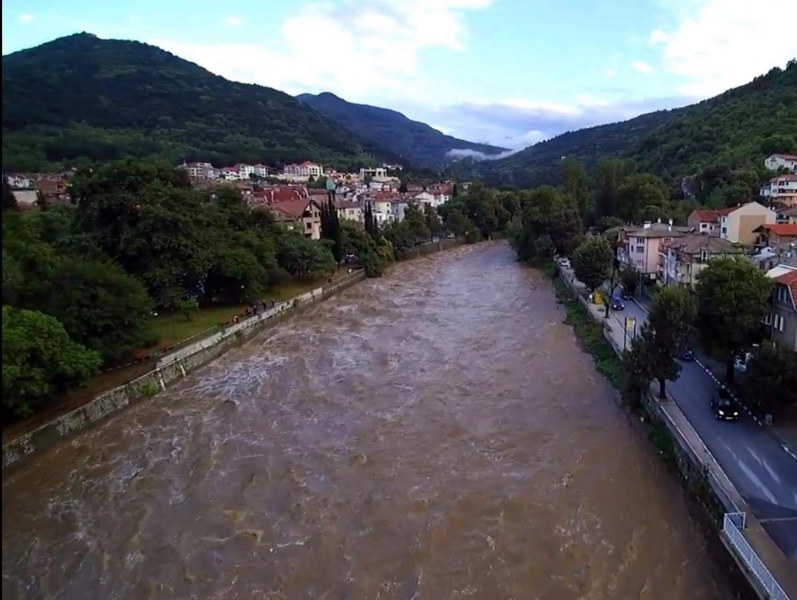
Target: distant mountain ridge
x=82, y=96
x=412, y=141
x=713, y=138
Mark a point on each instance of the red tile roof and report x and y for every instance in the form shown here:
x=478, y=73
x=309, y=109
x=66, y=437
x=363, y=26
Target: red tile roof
x=292, y=209
x=281, y=194
x=790, y=281
x=782, y=229
x=786, y=156
x=784, y=177
x=706, y=216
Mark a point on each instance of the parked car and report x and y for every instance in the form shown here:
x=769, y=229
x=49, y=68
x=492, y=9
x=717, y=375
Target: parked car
x=741, y=361
x=617, y=303
x=564, y=263
x=724, y=407
x=626, y=295
x=687, y=354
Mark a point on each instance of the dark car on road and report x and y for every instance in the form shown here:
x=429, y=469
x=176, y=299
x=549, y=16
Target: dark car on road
x=626, y=295
x=617, y=303
x=687, y=354
x=724, y=407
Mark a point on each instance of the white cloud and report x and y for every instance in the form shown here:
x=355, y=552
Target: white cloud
x=657, y=36
x=642, y=67
x=721, y=44
x=25, y=18
x=234, y=21
x=351, y=48
x=609, y=73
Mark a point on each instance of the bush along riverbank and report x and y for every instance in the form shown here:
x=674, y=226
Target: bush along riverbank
x=704, y=506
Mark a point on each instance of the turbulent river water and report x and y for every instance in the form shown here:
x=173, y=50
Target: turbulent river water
x=433, y=434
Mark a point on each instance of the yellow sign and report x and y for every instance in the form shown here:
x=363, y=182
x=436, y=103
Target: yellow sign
x=630, y=323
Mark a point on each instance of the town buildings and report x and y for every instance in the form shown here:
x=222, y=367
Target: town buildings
x=782, y=319
x=738, y=224
x=777, y=162
x=781, y=191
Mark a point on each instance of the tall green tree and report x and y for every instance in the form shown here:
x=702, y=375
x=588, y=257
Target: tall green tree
x=733, y=297
x=576, y=187
x=771, y=379
x=432, y=219
x=671, y=321
x=39, y=360
x=592, y=261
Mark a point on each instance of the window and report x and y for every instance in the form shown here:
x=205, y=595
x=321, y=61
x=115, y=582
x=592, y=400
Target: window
x=309, y=225
x=724, y=231
x=768, y=320
x=704, y=255
x=783, y=294
x=640, y=249
x=780, y=322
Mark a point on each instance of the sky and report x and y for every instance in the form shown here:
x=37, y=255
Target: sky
x=504, y=72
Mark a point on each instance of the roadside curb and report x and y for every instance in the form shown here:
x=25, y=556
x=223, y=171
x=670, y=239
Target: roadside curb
x=758, y=421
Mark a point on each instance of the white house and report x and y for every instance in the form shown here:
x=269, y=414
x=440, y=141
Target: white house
x=20, y=182
x=375, y=172
x=260, y=170
x=229, y=174
x=244, y=171
x=781, y=189
x=781, y=161
x=305, y=169
x=350, y=211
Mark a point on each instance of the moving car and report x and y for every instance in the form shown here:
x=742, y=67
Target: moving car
x=724, y=407
x=617, y=303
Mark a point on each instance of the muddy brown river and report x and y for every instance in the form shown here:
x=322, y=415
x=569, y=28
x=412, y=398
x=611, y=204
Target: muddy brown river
x=433, y=434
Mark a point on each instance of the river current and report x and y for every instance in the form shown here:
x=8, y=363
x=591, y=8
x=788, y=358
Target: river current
x=433, y=434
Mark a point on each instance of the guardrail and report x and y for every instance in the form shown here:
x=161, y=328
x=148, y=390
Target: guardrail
x=732, y=527
x=734, y=522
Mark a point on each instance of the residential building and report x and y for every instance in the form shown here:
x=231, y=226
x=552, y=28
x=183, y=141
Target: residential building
x=305, y=169
x=704, y=221
x=198, y=170
x=350, y=211
x=738, y=224
x=261, y=170
x=278, y=193
x=25, y=197
x=229, y=174
x=639, y=247
x=768, y=258
x=781, y=161
x=19, y=182
x=388, y=207
x=53, y=190
x=244, y=171
x=683, y=258
x=781, y=191
x=782, y=319
x=375, y=173
x=773, y=235
x=786, y=215
x=302, y=214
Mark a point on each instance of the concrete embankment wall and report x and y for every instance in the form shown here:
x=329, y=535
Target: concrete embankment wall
x=703, y=478
x=180, y=363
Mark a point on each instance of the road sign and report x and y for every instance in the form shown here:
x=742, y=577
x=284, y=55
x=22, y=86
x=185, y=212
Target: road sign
x=630, y=323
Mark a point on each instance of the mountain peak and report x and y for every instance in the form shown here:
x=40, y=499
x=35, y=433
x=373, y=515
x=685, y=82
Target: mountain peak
x=414, y=141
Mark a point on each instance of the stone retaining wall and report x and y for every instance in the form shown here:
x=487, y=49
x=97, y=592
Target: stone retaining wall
x=169, y=369
x=180, y=363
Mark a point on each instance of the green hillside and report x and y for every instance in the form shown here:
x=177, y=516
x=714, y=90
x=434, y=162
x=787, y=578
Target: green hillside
x=714, y=139
x=84, y=97
x=411, y=141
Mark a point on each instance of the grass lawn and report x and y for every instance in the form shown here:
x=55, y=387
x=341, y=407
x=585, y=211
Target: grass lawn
x=173, y=328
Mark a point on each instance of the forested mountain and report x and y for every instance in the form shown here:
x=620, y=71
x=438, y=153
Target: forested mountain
x=412, y=141
x=81, y=96
x=711, y=140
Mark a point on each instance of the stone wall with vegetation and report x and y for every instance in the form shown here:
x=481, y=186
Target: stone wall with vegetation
x=178, y=365
x=168, y=370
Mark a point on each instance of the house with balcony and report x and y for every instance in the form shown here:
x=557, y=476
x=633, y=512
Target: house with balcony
x=304, y=170
x=782, y=319
x=683, y=258
x=773, y=235
x=786, y=215
x=777, y=162
x=738, y=224
x=780, y=191
x=704, y=221
x=300, y=214
x=639, y=247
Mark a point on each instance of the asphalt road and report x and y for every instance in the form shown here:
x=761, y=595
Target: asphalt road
x=764, y=473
